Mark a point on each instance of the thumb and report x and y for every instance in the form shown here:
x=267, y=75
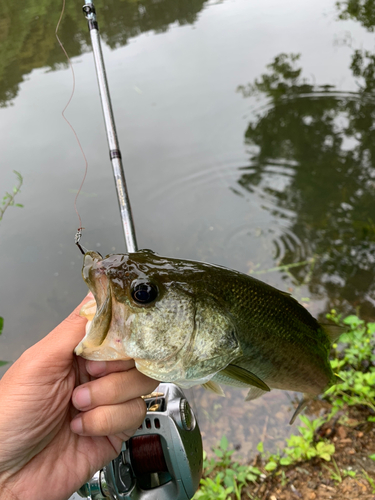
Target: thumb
x=62, y=340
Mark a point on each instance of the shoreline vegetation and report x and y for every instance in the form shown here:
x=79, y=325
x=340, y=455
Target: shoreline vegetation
x=332, y=455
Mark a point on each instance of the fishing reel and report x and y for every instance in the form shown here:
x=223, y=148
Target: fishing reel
x=162, y=461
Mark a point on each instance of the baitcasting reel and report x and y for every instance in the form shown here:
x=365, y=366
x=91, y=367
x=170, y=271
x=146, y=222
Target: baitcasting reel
x=162, y=461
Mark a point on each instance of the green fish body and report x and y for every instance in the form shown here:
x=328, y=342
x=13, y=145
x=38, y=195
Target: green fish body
x=194, y=323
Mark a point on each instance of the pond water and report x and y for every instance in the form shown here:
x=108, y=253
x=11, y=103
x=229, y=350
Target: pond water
x=248, y=140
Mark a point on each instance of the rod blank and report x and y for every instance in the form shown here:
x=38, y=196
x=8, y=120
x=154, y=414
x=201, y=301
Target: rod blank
x=114, y=147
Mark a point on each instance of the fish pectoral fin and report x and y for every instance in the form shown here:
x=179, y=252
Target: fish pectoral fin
x=254, y=393
x=244, y=376
x=214, y=387
x=301, y=405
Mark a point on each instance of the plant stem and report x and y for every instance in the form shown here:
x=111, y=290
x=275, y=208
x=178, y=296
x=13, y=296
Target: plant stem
x=10, y=197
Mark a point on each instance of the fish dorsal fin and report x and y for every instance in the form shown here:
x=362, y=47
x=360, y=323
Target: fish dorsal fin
x=333, y=331
x=214, y=387
x=244, y=376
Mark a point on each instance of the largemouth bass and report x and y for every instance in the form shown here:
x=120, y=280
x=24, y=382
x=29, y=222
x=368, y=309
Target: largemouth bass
x=193, y=323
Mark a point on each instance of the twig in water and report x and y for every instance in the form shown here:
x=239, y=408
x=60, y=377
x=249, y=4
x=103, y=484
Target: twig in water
x=285, y=267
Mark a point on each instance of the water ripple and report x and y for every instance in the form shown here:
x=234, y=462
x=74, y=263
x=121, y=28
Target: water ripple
x=240, y=205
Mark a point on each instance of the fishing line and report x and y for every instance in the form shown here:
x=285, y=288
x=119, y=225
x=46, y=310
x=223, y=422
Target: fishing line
x=80, y=228
x=147, y=455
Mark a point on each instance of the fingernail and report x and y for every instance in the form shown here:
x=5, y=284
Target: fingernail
x=96, y=368
x=82, y=398
x=76, y=425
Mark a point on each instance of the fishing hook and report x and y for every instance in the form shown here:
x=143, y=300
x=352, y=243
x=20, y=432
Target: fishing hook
x=77, y=239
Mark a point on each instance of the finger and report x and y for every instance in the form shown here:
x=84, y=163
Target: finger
x=124, y=436
x=101, y=368
x=110, y=420
x=56, y=349
x=63, y=339
x=112, y=389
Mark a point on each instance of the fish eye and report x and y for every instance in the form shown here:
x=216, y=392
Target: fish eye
x=144, y=293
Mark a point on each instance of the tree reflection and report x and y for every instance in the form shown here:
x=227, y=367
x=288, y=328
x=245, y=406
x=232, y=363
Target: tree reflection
x=27, y=31
x=327, y=138
x=358, y=10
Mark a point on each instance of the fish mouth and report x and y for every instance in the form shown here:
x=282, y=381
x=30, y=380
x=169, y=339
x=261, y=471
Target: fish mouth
x=104, y=339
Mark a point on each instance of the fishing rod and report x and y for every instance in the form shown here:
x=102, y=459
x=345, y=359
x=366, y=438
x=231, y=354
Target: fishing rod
x=164, y=458
x=114, y=147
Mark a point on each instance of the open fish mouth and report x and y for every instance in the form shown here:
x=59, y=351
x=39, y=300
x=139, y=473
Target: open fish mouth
x=102, y=341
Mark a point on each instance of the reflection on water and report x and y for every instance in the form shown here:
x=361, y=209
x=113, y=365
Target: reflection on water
x=359, y=10
x=323, y=144
x=27, y=31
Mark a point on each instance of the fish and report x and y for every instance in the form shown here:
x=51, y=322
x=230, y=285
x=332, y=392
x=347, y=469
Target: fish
x=193, y=323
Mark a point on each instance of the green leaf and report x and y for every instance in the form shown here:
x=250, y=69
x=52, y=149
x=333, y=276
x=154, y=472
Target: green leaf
x=260, y=447
x=254, y=470
x=353, y=321
x=19, y=205
x=270, y=466
x=325, y=450
x=2, y=363
x=1, y=325
x=224, y=443
x=372, y=457
x=285, y=461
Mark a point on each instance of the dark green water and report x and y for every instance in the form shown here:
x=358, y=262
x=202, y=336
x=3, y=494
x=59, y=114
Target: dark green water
x=235, y=153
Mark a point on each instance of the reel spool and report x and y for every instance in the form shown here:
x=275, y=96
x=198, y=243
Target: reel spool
x=162, y=461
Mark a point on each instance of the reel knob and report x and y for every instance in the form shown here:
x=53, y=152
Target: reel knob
x=187, y=416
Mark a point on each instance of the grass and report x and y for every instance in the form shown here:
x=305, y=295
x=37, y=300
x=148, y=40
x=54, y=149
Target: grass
x=353, y=360
x=223, y=477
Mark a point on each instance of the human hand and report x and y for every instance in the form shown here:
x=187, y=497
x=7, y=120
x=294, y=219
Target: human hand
x=63, y=418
